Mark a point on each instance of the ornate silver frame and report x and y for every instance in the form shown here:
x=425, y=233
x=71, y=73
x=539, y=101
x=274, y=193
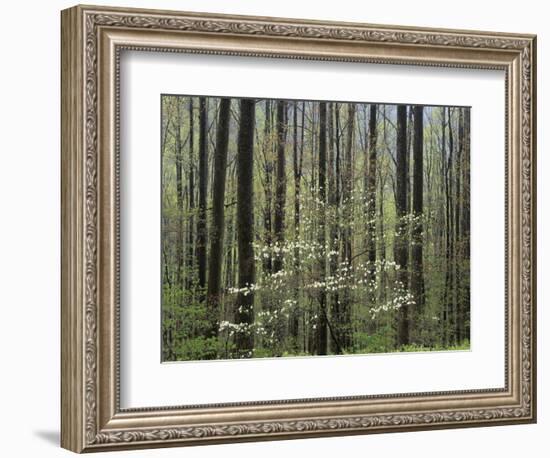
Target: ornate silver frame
x=92, y=38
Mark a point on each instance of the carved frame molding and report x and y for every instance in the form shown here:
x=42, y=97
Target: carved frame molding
x=92, y=38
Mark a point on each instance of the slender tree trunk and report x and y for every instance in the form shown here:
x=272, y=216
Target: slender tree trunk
x=448, y=243
x=218, y=216
x=371, y=204
x=337, y=315
x=268, y=172
x=202, y=227
x=346, y=337
x=313, y=144
x=191, y=225
x=167, y=308
x=280, y=186
x=459, y=247
x=442, y=225
x=382, y=243
x=465, y=232
x=230, y=237
x=338, y=160
x=332, y=178
x=381, y=229
x=294, y=315
x=322, y=342
x=417, y=265
x=450, y=231
x=348, y=185
x=179, y=200
x=410, y=162
x=244, y=314
x=401, y=253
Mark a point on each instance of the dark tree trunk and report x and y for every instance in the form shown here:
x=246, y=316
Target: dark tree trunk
x=218, y=216
x=335, y=196
x=280, y=185
x=333, y=199
x=313, y=145
x=322, y=342
x=296, y=162
x=451, y=231
x=447, y=292
x=202, y=227
x=268, y=172
x=346, y=337
x=231, y=240
x=410, y=162
x=179, y=200
x=297, y=172
x=381, y=227
x=167, y=311
x=371, y=204
x=459, y=248
x=338, y=159
x=417, y=266
x=382, y=244
x=401, y=253
x=465, y=226
x=445, y=186
x=451, y=170
x=244, y=313
x=348, y=185
x=191, y=226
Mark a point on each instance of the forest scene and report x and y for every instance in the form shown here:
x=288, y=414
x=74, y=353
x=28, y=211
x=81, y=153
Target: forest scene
x=302, y=228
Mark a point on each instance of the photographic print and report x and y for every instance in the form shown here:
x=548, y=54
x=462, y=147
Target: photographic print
x=301, y=228
x=203, y=235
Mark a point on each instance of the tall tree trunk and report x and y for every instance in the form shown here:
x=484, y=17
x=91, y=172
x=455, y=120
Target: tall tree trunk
x=465, y=226
x=447, y=308
x=450, y=231
x=443, y=234
x=459, y=247
x=348, y=185
x=230, y=237
x=382, y=243
x=410, y=162
x=417, y=266
x=334, y=201
x=179, y=199
x=268, y=172
x=202, y=226
x=244, y=313
x=401, y=252
x=191, y=225
x=381, y=228
x=322, y=342
x=346, y=337
x=218, y=216
x=167, y=308
x=371, y=204
x=296, y=162
x=280, y=185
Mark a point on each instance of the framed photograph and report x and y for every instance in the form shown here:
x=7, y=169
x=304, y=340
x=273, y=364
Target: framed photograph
x=278, y=228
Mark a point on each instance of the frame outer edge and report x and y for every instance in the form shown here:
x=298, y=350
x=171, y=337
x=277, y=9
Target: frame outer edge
x=80, y=428
x=72, y=252
x=533, y=193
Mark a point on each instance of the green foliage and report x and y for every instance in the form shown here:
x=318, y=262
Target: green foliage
x=465, y=345
x=186, y=319
x=198, y=348
x=380, y=343
x=287, y=304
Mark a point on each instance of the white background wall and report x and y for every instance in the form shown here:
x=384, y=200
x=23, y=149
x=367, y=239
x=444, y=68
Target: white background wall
x=29, y=227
